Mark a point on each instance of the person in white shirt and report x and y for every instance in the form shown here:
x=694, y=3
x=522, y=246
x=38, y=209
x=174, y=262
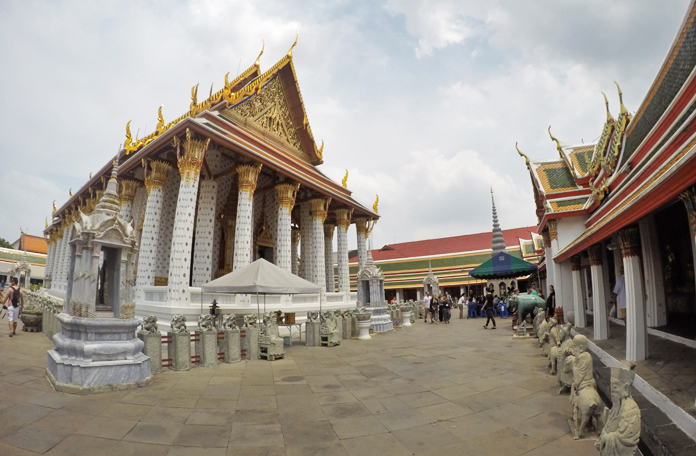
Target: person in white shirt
x=620, y=291
x=426, y=302
x=461, y=302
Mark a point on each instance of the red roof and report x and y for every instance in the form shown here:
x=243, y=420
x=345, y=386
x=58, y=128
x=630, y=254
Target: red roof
x=444, y=246
x=34, y=244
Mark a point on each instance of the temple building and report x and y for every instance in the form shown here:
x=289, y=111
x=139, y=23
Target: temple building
x=626, y=206
x=31, y=249
x=232, y=180
x=407, y=265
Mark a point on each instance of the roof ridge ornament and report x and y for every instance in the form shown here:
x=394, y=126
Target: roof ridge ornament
x=374, y=206
x=623, y=108
x=257, y=62
x=160, y=121
x=297, y=34
x=344, y=182
x=526, y=159
x=606, y=103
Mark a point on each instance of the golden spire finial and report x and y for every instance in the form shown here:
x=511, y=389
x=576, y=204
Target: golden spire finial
x=526, y=159
x=297, y=34
x=90, y=176
x=194, y=97
x=263, y=46
x=374, y=206
x=606, y=103
x=226, y=81
x=46, y=220
x=54, y=207
x=623, y=108
x=211, y=90
x=344, y=182
x=558, y=144
x=320, y=151
x=127, y=144
x=70, y=192
x=160, y=121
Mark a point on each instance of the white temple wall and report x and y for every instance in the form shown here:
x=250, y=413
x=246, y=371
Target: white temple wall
x=224, y=189
x=306, y=267
x=203, y=259
x=169, y=200
x=138, y=209
x=569, y=229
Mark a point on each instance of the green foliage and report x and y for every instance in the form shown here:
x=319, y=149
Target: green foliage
x=4, y=244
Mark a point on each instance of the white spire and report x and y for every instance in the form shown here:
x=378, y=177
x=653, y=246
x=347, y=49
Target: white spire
x=498, y=241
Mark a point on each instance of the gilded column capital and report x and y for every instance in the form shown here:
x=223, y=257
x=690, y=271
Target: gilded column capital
x=320, y=208
x=547, y=239
x=575, y=262
x=553, y=224
x=596, y=252
x=343, y=217
x=364, y=226
x=248, y=177
x=329, y=229
x=629, y=240
x=157, y=176
x=191, y=160
x=128, y=189
x=286, y=195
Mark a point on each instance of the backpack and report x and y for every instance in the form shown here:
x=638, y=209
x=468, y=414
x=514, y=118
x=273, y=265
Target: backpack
x=15, y=297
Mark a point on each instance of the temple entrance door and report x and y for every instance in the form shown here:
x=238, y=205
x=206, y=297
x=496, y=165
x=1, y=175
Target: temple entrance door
x=107, y=299
x=677, y=258
x=365, y=288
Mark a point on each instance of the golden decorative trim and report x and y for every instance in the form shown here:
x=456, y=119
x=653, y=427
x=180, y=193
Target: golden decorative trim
x=329, y=229
x=320, y=208
x=344, y=182
x=161, y=281
x=575, y=263
x=595, y=251
x=526, y=159
x=343, y=217
x=547, y=239
x=364, y=226
x=54, y=207
x=629, y=240
x=157, y=176
x=128, y=189
x=287, y=193
x=191, y=160
x=553, y=231
x=374, y=206
x=248, y=177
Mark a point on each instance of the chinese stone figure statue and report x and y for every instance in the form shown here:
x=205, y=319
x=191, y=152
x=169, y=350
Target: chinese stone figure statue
x=541, y=333
x=583, y=394
x=565, y=372
x=328, y=330
x=270, y=342
x=562, y=334
x=539, y=316
x=551, y=336
x=621, y=433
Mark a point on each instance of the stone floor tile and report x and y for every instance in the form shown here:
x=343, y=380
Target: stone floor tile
x=106, y=427
x=211, y=417
x=292, y=389
x=564, y=445
x=23, y=414
x=197, y=451
x=345, y=410
x=169, y=415
x=9, y=450
x=380, y=444
x=508, y=414
x=422, y=399
x=124, y=448
x=258, y=403
x=505, y=441
x=203, y=436
x=403, y=419
x=82, y=445
x=52, y=400
x=263, y=390
x=348, y=428
x=421, y=439
x=256, y=435
x=126, y=411
x=470, y=426
x=36, y=439
x=155, y=433
x=218, y=402
x=278, y=450
x=547, y=426
x=61, y=420
x=256, y=417
x=335, y=397
x=301, y=433
x=317, y=449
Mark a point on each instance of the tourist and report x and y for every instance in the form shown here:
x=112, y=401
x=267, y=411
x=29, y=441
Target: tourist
x=441, y=309
x=551, y=302
x=434, y=309
x=461, y=303
x=446, y=308
x=473, y=307
x=488, y=306
x=534, y=289
x=15, y=297
x=426, y=303
x=620, y=292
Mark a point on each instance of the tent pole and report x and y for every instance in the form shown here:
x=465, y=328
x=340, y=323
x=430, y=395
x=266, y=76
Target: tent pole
x=258, y=310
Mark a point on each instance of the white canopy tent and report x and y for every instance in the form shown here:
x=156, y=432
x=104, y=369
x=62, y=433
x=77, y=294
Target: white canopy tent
x=261, y=277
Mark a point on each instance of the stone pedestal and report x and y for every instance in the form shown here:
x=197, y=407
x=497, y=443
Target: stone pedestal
x=354, y=325
x=312, y=336
x=179, y=350
x=380, y=320
x=96, y=355
x=207, y=348
x=364, y=328
x=347, y=328
x=249, y=342
x=406, y=315
x=231, y=346
x=339, y=325
x=153, y=348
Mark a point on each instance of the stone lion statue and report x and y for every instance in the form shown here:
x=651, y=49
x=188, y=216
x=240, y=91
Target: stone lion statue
x=229, y=321
x=205, y=322
x=250, y=321
x=312, y=315
x=179, y=324
x=150, y=325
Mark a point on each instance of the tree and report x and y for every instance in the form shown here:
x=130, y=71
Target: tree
x=5, y=244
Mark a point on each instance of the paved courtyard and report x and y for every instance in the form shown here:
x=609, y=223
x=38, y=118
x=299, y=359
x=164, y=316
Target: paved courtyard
x=428, y=390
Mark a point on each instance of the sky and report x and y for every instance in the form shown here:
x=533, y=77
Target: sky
x=421, y=101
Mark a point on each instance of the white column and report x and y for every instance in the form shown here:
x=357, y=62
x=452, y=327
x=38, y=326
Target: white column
x=636, y=329
x=320, y=208
x=126, y=197
x=599, y=303
x=655, y=309
x=328, y=258
x=283, y=253
x=189, y=162
x=363, y=228
x=343, y=223
x=248, y=177
x=306, y=266
x=399, y=295
x=203, y=260
x=170, y=198
x=149, y=240
x=419, y=294
x=50, y=257
x=294, y=244
x=578, y=304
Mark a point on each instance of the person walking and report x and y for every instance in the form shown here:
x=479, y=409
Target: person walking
x=551, y=302
x=461, y=303
x=489, y=306
x=447, y=308
x=426, y=303
x=434, y=309
x=15, y=297
x=441, y=308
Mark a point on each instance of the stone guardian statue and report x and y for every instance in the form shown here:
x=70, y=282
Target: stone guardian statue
x=621, y=433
